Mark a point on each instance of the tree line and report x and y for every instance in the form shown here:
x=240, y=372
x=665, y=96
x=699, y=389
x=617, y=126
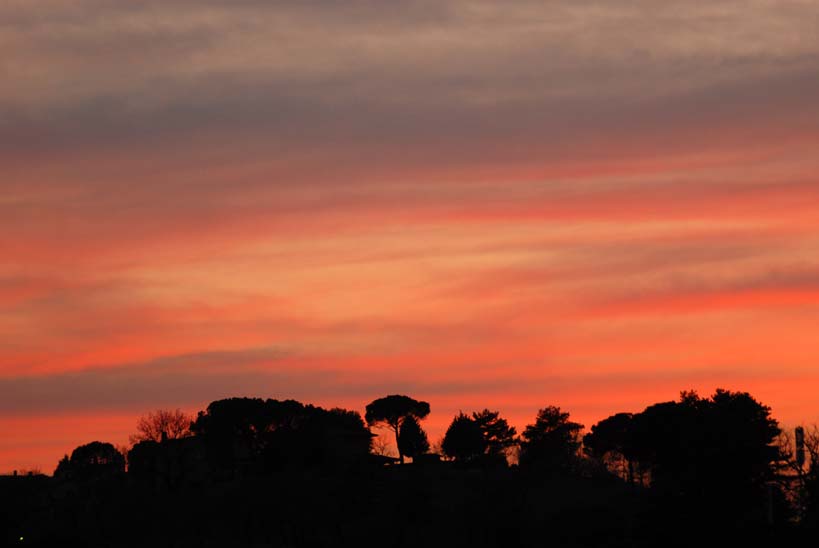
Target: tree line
x=724, y=452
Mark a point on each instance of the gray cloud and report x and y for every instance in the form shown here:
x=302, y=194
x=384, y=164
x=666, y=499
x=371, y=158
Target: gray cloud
x=196, y=379
x=175, y=380
x=120, y=118
x=329, y=73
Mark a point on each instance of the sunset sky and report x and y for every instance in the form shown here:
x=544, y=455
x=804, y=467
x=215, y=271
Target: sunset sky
x=480, y=204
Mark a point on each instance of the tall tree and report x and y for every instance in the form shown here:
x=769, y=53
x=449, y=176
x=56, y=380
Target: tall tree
x=162, y=424
x=412, y=440
x=552, y=443
x=392, y=411
x=484, y=436
x=497, y=434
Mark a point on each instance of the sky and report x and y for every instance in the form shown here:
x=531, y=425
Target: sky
x=509, y=205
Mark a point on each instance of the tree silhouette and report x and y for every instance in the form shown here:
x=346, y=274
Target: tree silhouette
x=92, y=460
x=742, y=438
x=412, y=440
x=233, y=430
x=497, y=434
x=717, y=453
x=162, y=424
x=710, y=465
x=610, y=442
x=392, y=411
x=464, y=440
x=63, y=470
x=312, y=436
x=243, y=434
x=552, y=443
x=484, y=437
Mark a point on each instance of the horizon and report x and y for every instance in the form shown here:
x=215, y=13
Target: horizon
x=435, y=427
x=591, y=206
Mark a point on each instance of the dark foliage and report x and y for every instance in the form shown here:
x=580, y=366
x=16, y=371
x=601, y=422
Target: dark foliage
x=464, y=440
x=497, y=434
x=392, y=411
x=552, y=444
x=810, y=495
x=482, y=438
x=412, y=440
x=91, y=461
x=610, y=443
x=707, y=447
x=716, y=452
x=281, y=473
x=245, y=435
x=169, y=464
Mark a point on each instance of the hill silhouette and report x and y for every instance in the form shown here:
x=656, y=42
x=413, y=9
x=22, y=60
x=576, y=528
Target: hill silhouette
x=253, y=472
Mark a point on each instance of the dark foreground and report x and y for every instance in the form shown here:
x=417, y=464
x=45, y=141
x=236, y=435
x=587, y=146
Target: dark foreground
x=399, y=506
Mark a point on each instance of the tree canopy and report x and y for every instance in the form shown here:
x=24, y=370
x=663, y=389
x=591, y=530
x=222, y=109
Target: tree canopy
x=266, y=433
x=721, y=453
x=92, y=460
x=464, y=440
x=162, y=424
x=720, y=450
x=392, y=411
x=552, y=443
x=412, y=440
x=726, y=441
x=497, y=434
x=610, y=442
x=484, y=437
